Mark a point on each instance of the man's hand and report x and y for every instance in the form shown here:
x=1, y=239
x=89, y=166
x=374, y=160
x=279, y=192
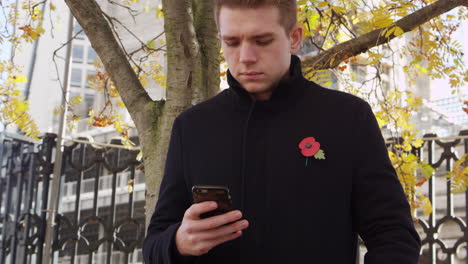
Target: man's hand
x=197, y=236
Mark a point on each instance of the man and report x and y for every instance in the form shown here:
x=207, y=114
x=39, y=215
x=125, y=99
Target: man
x=306, y=166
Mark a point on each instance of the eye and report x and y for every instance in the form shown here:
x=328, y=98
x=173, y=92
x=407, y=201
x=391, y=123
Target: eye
x=264, y=42
x=231, y=43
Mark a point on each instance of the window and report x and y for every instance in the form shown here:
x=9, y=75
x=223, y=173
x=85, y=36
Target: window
x=105, y=183
x=78, y=30
x=65, y=190
x=73, y=188
x=75, y=79
x=139, y=256
x=91, y=55
x=77, y=54
x=122, y=179
x=360, y=72
x=89, y=75
x=88, y=186
x=139, y=177
x=89, y=100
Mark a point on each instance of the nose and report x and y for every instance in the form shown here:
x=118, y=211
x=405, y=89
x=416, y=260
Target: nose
x=247, y=54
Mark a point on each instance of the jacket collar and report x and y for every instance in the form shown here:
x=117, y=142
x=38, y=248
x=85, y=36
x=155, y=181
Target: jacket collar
x=284, y=95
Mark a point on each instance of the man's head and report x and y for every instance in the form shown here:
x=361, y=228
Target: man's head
x=258, y=38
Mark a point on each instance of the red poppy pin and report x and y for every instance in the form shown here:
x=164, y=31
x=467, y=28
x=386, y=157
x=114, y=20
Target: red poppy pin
x=309, y=147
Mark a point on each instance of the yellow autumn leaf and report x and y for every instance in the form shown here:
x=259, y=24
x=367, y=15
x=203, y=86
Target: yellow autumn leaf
x=427, y=206
x=322, y=4
x=380, y=121
x=414, y=102
x=398, y=31
x=37, y=14
x=19, y=105
x=384, y=22
x=75, y=100
x=143, y=79
x=118, y=126
x=18, y=78
x=389, y=32
x=139, y=157
x=58, y=110
x=113, y=92
x=407, y=147
x=129, y=188
x=418, y=143
x=339, y=9
x=159, y=13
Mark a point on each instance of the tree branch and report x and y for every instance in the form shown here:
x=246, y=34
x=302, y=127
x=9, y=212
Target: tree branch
x=92, y=20
x=334, y=56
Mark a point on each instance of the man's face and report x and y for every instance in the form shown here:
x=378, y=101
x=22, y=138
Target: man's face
x=256, y=47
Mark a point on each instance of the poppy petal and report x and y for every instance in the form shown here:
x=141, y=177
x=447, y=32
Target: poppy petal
x=309, y=152
x=306, y=140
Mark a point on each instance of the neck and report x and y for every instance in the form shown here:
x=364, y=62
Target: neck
x=261, y=96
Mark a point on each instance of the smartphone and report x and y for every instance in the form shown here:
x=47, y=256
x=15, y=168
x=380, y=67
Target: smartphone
x=219, y=194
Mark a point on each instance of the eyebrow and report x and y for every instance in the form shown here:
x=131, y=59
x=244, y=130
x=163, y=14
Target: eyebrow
x=258, y=36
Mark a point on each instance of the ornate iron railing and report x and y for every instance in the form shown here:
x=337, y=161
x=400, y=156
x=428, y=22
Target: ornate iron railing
x=100, y=216
x=444, y=233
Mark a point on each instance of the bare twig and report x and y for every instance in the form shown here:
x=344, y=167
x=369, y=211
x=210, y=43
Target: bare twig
x=113, y=28
x=51, y=24
x=131, y=11
x=5, y=16
x=55, y=55
x=144, y=46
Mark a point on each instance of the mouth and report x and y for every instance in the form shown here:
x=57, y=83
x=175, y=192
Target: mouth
x=251, y=75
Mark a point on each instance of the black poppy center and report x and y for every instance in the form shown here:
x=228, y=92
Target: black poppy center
x=308, y=145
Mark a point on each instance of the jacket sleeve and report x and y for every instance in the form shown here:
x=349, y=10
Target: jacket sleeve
x=381, y=212
x=159, y=245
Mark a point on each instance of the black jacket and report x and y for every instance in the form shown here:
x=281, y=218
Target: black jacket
x=297, y=213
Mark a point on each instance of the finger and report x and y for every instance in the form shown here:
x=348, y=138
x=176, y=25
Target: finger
x=197, y=209
x=217, y=221
x=223, y=231
x=215, y=242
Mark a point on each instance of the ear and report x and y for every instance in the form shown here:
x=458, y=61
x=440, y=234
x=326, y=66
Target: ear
x=296, y=38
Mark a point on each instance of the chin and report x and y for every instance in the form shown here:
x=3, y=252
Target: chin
x=255, y=88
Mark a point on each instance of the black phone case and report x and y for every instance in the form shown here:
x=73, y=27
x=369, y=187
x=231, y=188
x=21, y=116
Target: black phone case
x=219, y=194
